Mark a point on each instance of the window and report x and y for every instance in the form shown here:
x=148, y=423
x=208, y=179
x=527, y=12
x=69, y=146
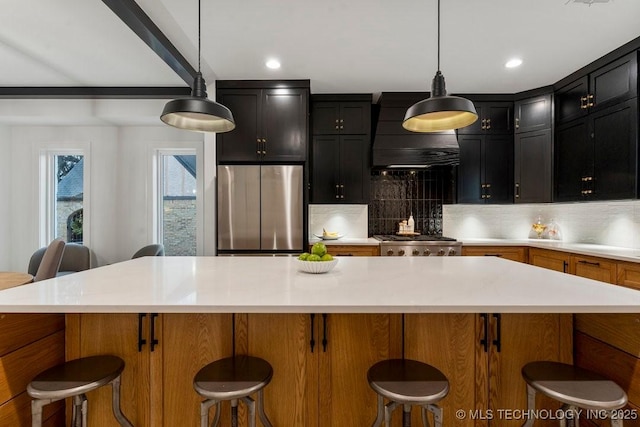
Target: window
x=178, y=202
x=63, y=190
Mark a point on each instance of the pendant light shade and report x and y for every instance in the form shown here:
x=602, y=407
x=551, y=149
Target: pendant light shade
x=197, y=112
x=439, y=112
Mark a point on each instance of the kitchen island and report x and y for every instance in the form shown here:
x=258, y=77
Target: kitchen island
x=478, y=319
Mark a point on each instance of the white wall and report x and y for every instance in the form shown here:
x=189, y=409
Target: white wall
x=121, y=174
x=614, y=223
x=5, y=196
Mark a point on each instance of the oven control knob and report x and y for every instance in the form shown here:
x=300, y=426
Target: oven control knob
x=441, y=252
x=416, y=252
x=452, y=252
x=390, y=252
x=401, y=252
x=426, y=252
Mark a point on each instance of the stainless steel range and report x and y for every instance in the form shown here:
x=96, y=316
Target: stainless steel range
x=421, y=245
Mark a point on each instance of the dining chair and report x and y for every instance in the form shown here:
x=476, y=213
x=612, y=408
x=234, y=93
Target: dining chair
x=75, y=258
x=156, y=249
x=51, y=260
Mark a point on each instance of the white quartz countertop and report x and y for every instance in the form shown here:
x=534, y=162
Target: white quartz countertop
x=370, y=241
x=355, y=285
x=612, y=252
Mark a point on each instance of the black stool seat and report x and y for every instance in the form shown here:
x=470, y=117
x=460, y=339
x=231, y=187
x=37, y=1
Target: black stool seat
x=233, y=377
x=574, y=386
x=408, y=381
x=75, y=377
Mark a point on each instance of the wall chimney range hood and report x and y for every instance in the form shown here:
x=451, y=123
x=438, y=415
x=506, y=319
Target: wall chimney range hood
x=394, y=146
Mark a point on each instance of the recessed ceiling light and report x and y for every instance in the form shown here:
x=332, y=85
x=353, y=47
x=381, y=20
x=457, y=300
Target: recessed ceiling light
x=274, y=64
x=513, y=63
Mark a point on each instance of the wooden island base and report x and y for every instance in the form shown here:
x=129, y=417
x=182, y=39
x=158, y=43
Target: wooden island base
x=323, y=384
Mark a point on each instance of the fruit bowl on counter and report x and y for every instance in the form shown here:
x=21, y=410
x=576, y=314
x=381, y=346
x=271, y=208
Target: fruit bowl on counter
x=318, y=261
x=328, y=235
x=316, y=267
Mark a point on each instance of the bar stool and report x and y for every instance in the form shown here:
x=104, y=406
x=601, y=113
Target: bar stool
x=233, y=378
x=574, y=387
x=407, y=382
x=74, y=379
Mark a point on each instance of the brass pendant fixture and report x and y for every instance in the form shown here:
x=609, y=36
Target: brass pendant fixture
x=197, y=112
x=439, y=112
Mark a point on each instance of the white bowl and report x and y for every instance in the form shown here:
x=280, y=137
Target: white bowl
x=324, y=237
x=316, y=267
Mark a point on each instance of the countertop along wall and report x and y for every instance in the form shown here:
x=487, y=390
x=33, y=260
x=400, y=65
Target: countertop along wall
x=612, y=223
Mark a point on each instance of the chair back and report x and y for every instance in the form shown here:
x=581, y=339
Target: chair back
x=50, y=261
x=150, y=250
x=76, y=257
x=35, y=260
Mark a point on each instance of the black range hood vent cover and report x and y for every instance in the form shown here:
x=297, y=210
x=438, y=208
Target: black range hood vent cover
x=395, y=146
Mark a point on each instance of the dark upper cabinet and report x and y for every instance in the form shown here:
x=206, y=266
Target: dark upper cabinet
x=271, y=125
x=340, y=169
x=340, y=149
x=335, y=117
x=485, y=174
x=493, y=117
x=596, y=156
x=532, y=114
x=607, y=86
x=533, y=167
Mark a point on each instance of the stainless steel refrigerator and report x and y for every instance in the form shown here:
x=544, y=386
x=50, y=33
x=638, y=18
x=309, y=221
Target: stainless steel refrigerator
x=260, y=209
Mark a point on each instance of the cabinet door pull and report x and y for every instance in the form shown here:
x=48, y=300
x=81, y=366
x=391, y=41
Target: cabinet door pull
x=153, y=340
x=565, y=266
x=497, y=339
x=583, y=261
x=498, y=255
x=312, y=341
x=517, y=122
x=483, y=126
x=583, y=102
x=324, y=332
x=484, y=340
x=517, y=190
x=264, y=146
x=141, y=341
x=337, y=191
x=488, y=124
x=590, y=101
x=342, y=191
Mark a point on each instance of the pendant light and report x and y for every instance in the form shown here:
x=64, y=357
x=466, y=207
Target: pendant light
x=439, y=112
x=198, y=113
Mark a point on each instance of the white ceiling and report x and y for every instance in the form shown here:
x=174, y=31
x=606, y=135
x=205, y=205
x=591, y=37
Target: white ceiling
x=342, y=46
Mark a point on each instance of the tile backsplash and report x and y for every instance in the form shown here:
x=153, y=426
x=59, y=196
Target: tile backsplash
x=396, y=194
x=614, y=223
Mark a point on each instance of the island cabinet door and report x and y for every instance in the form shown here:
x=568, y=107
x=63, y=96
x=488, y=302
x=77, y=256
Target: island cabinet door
x=320, y=364
x=449, y=342
x=116, y=334
x=514, y=341
x=188, y=342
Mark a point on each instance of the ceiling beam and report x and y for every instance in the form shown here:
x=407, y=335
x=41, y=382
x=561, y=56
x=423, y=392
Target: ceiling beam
x=83, y=92
x=132, y=15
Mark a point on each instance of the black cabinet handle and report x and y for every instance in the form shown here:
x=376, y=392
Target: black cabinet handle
x=312, y=342
x=565, y=266
x=517, y=190
x=497, y=340
x=582, y=261
x=484, y=341
x=324, y=332
x=141, y=341
x=498, y=255
x=153, y=339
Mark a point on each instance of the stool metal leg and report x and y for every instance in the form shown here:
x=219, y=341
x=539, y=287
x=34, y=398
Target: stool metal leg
x=234, y=412
x=406, y=415
x=615, y=422
x=531, y=405
x=204, y=412
x=251, y=404
x=36, y=411
x=79, y=409
x=263, y=417
x=84, y=409
x=115, y=403
x=425, y=420
x=216, y=417
x=380, y=412
x=388, y=409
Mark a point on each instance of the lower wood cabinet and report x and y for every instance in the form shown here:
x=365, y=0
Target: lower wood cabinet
x=162, y=353
x=320, y=364
x=551, y=260
x=514, y=253
x=482, y=356
x=600, y=269
x=353, y=250
x=29, y=344
x=628, y=274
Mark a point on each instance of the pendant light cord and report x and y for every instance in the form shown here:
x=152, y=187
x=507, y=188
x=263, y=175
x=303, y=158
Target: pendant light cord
x=438, y=35
x=199, y=34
